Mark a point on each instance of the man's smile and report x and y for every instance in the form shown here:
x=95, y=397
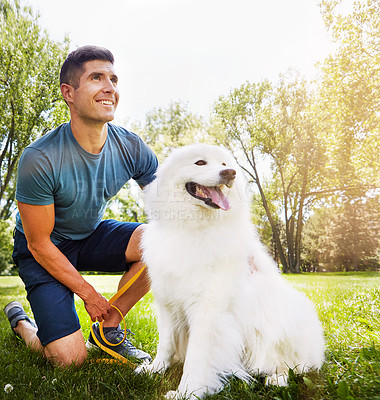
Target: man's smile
x=106, y=102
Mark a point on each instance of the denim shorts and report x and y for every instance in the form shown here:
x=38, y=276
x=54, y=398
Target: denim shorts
x=52, y=303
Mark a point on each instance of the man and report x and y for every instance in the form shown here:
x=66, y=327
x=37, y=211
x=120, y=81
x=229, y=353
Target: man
x=65, y=179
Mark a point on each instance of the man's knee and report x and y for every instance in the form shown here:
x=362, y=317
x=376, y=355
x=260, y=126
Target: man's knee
x=66, y=351
x=134, y=252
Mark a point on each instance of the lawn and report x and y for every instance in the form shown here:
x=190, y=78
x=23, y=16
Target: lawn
x=348, y=306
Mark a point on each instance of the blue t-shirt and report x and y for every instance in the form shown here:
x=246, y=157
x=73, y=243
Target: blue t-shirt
x=56, y=169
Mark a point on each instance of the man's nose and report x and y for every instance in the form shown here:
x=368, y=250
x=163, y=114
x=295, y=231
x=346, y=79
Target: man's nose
x=109, y=86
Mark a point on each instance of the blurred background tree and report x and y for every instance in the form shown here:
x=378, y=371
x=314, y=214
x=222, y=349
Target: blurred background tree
x=349, y=125
x=166, y=128
x=30, y=100
x=278, y=121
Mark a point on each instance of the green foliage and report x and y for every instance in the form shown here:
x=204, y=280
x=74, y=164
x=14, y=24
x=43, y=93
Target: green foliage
x=126, y=206
x=349, y=125
x=168, y=128
x=30, y=100
x=347, y=305
x=6, y=262
x=350, y=94
x=344, y=237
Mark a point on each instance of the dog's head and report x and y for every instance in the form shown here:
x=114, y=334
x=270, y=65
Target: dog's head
x=196, y=177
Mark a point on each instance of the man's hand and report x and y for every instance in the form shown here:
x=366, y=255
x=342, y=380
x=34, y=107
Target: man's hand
x=97, y=307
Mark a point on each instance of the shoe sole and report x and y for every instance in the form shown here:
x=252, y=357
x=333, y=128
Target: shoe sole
x=11, y=305
x=91, y=347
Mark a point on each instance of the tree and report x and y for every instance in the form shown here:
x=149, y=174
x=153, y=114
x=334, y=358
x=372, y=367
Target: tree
x=354, y=235
x=237, y=125
x=349, y=124
x=323, y=144
x=30, y=100
x=350, y=95
x=5, y=247
x=168, y=128
x=125, y=206
x=344, y=237
x=276, y=121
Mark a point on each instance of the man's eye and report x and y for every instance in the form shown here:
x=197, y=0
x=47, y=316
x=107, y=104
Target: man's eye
x=201, y=162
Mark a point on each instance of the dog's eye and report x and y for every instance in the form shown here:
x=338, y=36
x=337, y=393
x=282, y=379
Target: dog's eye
x=201, y=162
x=224, y=164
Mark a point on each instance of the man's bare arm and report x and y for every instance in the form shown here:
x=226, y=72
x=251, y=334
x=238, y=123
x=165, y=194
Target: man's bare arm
x=38, y=223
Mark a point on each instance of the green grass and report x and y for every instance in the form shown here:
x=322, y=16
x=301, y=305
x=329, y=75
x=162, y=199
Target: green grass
x=348, y=306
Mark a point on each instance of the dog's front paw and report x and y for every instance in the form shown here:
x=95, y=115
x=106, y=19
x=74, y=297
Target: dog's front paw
x=175, y=395
x=276, y=380
x=143, y=368
x=155, y=366
x=171, y=394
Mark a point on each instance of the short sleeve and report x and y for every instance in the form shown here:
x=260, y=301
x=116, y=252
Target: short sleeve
x=34, y=178
x=147, y=165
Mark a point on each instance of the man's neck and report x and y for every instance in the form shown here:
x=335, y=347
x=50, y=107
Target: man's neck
x=90, y=136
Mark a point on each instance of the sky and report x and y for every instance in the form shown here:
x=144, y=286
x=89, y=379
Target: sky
x=190, y=50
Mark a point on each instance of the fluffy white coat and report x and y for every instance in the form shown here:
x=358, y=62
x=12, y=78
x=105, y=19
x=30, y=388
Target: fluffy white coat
x=218, y=312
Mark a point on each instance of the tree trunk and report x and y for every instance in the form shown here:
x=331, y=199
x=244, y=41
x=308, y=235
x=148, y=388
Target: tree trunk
x=298, y=238
x=276, y=234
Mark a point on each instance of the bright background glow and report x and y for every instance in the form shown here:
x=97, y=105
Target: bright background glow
x=191, y=50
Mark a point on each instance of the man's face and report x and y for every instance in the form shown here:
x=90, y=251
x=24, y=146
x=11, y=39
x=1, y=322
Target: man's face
x=96, y=98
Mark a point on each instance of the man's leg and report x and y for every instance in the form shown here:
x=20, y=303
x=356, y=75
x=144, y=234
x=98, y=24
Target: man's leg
x=29, y=334
x=115, y=246
x=59, y=337
x=68, y=350
x=62, y=352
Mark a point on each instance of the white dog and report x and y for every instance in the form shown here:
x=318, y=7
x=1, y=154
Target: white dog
x=223, y=307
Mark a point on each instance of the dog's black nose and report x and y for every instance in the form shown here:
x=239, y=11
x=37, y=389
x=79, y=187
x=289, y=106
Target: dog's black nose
x=228, y=174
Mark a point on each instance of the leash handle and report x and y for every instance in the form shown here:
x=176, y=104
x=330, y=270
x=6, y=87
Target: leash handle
x=102, y=332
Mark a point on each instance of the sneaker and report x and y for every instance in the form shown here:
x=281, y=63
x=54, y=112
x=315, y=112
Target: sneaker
x=125, y=348
x=15, y=312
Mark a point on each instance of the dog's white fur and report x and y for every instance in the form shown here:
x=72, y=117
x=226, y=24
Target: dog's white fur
x=218, y=312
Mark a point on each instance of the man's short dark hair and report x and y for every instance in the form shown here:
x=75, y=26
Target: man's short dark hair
x=72, y=67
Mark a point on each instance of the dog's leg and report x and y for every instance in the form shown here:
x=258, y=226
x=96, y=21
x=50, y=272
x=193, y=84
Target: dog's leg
x=197, y=377
x=212, y=353
x=166, y=344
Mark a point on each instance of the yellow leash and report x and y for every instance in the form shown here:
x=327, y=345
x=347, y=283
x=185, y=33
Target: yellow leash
x=113, y=298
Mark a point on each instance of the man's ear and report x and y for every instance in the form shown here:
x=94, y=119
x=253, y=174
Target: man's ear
x=67, y=92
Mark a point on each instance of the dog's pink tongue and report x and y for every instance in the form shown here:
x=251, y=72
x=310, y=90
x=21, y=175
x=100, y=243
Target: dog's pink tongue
x=219, y=198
